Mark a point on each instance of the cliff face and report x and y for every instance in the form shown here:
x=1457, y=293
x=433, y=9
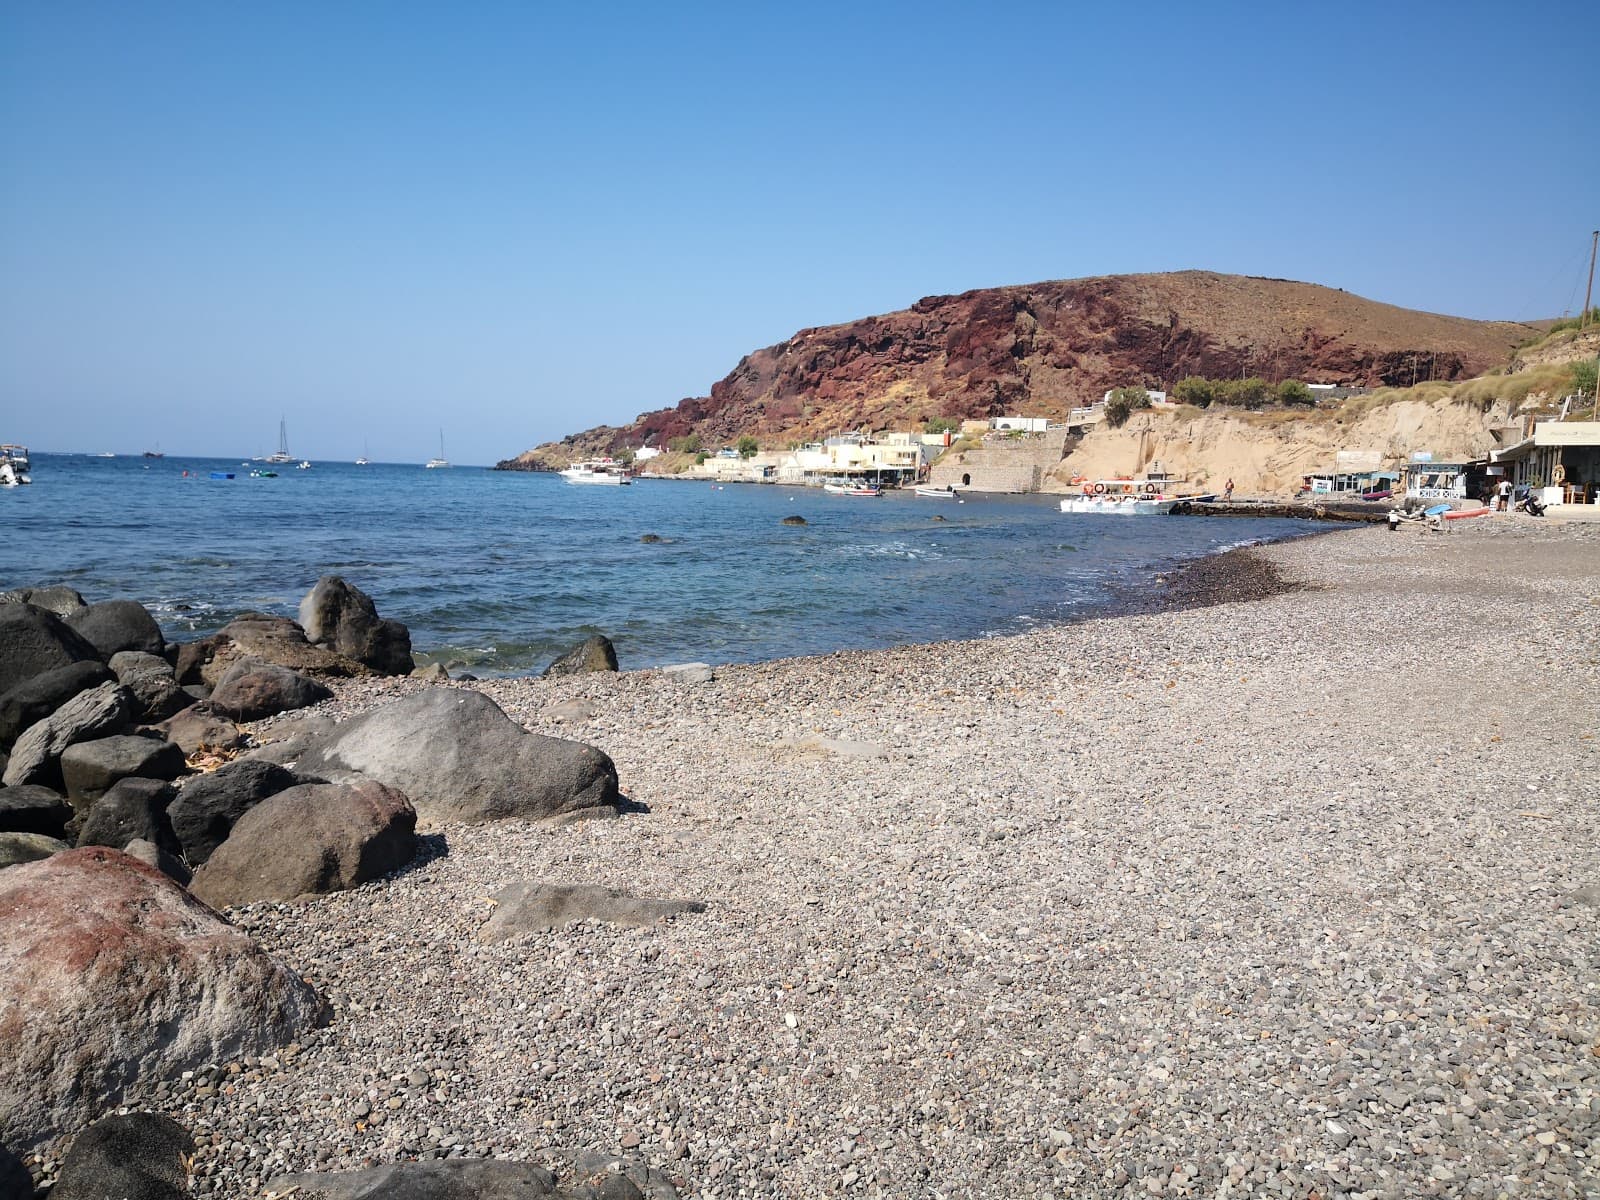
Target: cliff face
x=1041, y=349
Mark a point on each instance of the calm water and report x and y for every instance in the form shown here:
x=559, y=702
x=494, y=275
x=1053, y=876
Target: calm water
x=502, y=570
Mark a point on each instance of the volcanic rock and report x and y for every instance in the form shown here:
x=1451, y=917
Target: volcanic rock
x=342, y=617
x=252, y=690
x=152, y=855
x=134, y=809
x=112, y=975
x=28, y=847
x=151, y=682
x=133, y=1156
x=310, y=840
x=57, y=599
x=197, y=728
x=35, y=699
x=471, y=1179
x=594, y=654
x=460, y=758
x=208, y=806
x=88, y=769
x=33, y=809
x=36, y=757
x=33, y=641
x=114, y=625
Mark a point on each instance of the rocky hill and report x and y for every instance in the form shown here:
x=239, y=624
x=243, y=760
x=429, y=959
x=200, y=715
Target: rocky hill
x=1042, y=348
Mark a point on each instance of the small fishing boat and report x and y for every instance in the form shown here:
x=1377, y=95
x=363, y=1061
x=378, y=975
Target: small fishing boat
x=947, y=492
x=853, y=487
x=11, y=475
x=596, y=470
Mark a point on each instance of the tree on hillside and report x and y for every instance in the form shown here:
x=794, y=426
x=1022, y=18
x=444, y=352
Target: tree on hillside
x=1123, y=402
x=1194, y=390
x=941, y=425
x=1292, y=391
x=1583, y=377
x=748, y=446
x=1242, y=393
x=687, y=444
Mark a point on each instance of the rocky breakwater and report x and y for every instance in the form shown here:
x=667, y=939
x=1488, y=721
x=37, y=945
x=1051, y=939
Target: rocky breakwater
x=118, y=976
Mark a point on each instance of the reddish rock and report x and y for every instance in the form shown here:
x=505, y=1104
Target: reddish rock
x=112, y=977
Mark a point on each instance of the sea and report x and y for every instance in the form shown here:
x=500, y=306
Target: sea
x=498, y=572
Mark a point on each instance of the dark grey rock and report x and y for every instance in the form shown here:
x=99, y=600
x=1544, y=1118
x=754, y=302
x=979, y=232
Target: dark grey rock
x=90, y=768
x=56, y=598
x=252, y=690
x=793, y=519
x=342, y=617
x=137, y=1156
x=28, y=847
x=33, y=641
x=34, y=809
x=208, y=806
x=114, y=625
x=15, y=1182
x=528, y=905
x=133, y=809
x=460, y=758
x=151, y=682
x=153, y=855
x=36, y=757
x=310, y=840
x=35, y=699
x=594, y=654
x=198, y=728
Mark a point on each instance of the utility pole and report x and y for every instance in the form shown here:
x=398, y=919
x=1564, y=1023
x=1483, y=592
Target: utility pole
x=1594, y=241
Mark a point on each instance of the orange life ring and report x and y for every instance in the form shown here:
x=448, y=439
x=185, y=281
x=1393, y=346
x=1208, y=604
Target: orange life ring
x=1099, y=489
x=1126, y=488
x=1088, y=489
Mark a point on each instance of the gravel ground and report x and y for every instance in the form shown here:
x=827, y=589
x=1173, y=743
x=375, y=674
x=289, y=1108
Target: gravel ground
x=1290, y=897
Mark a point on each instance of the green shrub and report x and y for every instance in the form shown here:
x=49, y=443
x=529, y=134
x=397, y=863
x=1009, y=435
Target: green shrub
x=748, y=446
x=1195, y=390
x=687, y=444
x=941, y=425
x=1292, y=391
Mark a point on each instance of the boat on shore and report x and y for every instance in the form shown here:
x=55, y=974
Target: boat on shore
x=596, y=470
x=1120, y=497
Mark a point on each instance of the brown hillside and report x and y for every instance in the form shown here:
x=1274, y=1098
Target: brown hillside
x=1040, y=349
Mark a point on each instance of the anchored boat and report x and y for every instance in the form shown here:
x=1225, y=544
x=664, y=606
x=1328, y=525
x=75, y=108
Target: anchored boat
x=596, y=470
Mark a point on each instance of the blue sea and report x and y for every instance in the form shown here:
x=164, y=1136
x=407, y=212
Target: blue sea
x=500, y=571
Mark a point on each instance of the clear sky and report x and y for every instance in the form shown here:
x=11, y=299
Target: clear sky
x=512, y=221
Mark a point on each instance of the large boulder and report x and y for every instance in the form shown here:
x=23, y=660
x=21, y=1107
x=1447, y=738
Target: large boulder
x=35, y=699
x=132, y=1156
x=151, y=682
x=595, y=654
x=56, y=598
x=113, y=976
x=208, y=806
x=15, y=1182
x=33, y=641
x=88, y=769
x=114, y=625
x=36, y=757
x=261, y=638
x=310, y=840
x=458, y=757
x=343, y=618
x=134, y=809
x=33, y=809
x=252, y=690
x=27, y=847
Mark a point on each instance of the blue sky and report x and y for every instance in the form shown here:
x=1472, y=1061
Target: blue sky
x=515, y=220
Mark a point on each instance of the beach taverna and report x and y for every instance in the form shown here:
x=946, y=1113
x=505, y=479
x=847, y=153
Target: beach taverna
x=1561, y=461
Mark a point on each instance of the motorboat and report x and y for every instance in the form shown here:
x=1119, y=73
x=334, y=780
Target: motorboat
x=947, y=492
x=305, y=465
x=12, y=475
x=853, y=487
x=1120, y=497
x=596, y=470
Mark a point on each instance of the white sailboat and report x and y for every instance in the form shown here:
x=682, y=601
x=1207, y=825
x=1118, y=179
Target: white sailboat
x=441, y=461
x=281, y=455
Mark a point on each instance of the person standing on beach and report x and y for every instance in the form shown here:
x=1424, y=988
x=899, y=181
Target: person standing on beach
x=1227, y=490
x=1505, y=495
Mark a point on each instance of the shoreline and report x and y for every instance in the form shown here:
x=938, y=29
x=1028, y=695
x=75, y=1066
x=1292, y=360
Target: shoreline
x=1225, y=898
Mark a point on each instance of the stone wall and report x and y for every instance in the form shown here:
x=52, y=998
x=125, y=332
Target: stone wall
x=1002, y=464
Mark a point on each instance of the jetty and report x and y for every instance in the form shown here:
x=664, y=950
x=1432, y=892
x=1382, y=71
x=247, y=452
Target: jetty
x=1359, y=511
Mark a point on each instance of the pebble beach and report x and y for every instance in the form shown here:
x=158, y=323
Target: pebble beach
x=1285, y=887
